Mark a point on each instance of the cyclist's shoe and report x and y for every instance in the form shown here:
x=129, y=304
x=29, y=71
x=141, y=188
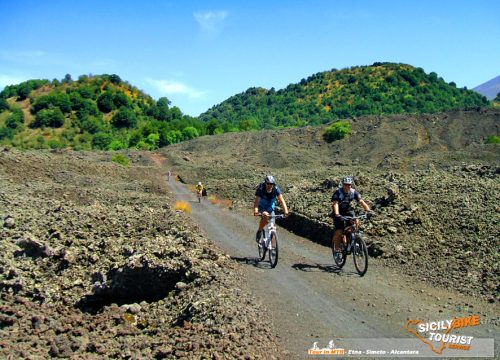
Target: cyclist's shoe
x=338, y=255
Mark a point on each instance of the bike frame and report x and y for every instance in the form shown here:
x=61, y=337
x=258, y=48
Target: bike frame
x=270, y=233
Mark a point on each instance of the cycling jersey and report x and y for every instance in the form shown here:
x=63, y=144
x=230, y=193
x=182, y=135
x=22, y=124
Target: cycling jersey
x=199, y=188
x=345, y=199
x=267, y=200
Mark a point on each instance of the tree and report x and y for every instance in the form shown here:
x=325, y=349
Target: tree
x=15, y=120
x=102, y=140
x=163, y=109
x=124, y=118
x=105, y=102
x=4, y=105
x=497, y=97
x=52, y=117
x=120, y=99
x=67, y=79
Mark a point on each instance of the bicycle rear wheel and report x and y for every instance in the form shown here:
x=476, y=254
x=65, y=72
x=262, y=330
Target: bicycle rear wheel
x=341, y=256
x=360, y=256
x=273, y=253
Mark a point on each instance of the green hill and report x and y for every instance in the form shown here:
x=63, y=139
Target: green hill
x=382, y=88
x=106, y=113
x=94, y=112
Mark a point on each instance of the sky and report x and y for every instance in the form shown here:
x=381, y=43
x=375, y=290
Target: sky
x=198, y=53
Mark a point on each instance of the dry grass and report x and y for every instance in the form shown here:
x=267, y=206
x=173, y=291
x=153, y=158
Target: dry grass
x=223, y=202
x=183, y=206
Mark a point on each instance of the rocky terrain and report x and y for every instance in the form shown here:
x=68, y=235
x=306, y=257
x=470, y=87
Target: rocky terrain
x=431, y=180
x=96, y=263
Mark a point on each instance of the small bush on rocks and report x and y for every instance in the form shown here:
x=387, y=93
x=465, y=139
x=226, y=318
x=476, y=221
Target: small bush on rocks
x=337, y=131
x=121, y=159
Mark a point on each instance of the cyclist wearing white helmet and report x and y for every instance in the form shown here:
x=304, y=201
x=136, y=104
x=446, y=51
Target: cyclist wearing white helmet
x=341, y=206
x=265, y=201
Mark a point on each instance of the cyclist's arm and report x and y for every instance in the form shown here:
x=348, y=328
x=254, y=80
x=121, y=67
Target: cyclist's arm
x=283, y=203
x=364, y=205
x=335, y=208
x=256, y=205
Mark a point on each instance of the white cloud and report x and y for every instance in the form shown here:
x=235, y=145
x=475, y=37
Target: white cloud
x=167, y=87
x=210, y=21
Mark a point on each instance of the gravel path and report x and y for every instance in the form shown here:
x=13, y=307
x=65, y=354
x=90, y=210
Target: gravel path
x=312, y=301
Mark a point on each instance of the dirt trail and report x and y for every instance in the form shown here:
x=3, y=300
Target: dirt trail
x=311, y=301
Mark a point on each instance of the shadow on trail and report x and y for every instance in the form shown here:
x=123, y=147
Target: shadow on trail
x=317, y=267
x=252, y=261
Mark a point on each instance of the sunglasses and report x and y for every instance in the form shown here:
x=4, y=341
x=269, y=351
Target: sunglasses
x=270, y=184
x=347, y=184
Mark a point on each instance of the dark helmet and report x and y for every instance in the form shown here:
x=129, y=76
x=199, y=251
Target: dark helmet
x=347, y=180
x=269, y=179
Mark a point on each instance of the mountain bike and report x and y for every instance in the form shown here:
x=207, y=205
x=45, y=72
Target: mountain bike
x=352, y=242
x=269, y=243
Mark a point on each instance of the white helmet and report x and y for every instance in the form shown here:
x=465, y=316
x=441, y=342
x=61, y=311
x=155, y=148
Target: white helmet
x=269, y=179
x=347, y=180
x=199, y=182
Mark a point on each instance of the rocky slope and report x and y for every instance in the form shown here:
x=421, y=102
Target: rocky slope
x=431, y=180
x=95, y=262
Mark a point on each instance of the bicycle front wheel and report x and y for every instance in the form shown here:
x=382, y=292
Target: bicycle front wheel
x=339, y=256
x=262, y=250
x=360, y=256
x=273, y=252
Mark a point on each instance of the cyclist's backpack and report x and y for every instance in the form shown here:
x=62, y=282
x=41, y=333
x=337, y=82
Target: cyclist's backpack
x=204, y=192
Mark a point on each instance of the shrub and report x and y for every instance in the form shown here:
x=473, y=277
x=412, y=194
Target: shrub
x=337, y=131
x=493, y=139
x=101, y=140
x=121, y=159
x=55, y=144
x=117, y=145
x=6, y=133
x=183, y=206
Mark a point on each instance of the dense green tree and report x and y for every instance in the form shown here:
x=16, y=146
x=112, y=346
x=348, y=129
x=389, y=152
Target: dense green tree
x=120, y=99
x=105, y=102
x=101, y=140
x=52, y=117
x=91, y=124
x=124, y=118
x=15, y=120
x=163, y=109
x=67, y=79
x=53, y=99
x=6, y=133
x=4, y=105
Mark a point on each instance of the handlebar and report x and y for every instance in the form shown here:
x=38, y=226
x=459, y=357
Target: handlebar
x=361, y=217
x=279, y=216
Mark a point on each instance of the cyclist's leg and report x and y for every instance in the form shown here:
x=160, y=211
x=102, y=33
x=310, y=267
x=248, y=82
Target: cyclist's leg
x=338, y=233
x=262, y=223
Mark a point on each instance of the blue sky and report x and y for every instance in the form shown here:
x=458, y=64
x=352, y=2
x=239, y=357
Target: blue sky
x=199, y=53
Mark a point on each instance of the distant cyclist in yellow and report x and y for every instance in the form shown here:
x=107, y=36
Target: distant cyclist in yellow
x=199, y=190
